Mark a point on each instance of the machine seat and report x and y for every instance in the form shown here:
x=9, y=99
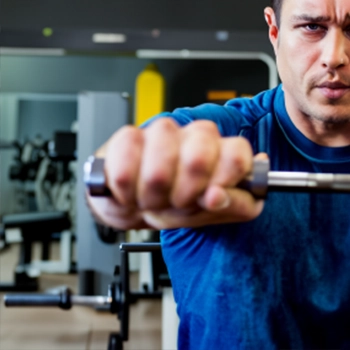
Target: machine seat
x=37, y=224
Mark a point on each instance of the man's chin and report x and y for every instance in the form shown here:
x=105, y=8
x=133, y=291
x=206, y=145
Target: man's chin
x=330, y=115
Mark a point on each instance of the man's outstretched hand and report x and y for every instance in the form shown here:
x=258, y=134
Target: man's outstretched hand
x=167, y=176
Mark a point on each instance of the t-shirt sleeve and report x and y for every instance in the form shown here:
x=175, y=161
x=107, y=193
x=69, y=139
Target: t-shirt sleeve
x=227, y=118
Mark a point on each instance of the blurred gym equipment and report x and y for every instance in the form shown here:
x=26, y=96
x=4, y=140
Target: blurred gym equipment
x=118, y=299
x=51, y=173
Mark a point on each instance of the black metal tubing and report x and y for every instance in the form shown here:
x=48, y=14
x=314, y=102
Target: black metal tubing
x=127, y=297
x=149, y=295
x=32, y=300
x=140, y=247
x=61, y=300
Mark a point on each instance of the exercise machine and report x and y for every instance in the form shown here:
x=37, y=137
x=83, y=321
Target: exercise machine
x=50, y=171
x=118, y=298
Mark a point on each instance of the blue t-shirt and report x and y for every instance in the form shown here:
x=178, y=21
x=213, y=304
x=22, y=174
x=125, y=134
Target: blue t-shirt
x=281, y=281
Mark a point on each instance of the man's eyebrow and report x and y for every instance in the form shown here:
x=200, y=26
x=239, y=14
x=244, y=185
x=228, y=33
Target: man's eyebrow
x=308, y=18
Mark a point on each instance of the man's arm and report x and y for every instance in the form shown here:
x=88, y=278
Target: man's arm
x=167, y=176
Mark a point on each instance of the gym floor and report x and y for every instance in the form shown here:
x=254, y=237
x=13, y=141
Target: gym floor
x=80, y=328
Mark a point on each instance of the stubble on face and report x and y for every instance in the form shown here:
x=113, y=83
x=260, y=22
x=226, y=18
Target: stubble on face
x=299, y=58
x=334, y=112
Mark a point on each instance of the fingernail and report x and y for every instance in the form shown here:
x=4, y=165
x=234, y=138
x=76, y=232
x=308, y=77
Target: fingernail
x=223, y=203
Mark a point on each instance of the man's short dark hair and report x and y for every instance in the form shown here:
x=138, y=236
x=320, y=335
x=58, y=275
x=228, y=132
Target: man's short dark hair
x=277, y=7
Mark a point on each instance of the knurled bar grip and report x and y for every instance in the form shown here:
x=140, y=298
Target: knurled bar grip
x=94, y=178
x=259, y=182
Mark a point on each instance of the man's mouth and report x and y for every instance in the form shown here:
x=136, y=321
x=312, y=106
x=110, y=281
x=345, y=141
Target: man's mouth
x=333, y=90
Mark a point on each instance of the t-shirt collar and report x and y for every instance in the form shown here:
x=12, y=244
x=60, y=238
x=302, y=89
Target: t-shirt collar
x=300, y=142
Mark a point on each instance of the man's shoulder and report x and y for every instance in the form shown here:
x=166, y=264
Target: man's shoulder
x=243, y=110
x=259, y=105
x=236, y=114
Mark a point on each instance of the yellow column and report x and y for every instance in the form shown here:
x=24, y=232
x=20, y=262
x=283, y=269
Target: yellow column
x=149, y=94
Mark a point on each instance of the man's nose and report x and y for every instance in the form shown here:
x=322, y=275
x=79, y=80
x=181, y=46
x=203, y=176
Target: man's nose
x=335, y=50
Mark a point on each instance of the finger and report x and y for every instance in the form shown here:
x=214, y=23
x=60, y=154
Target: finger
x=122, y=164
x=159, y=164
x=242, y=207
x=238, y=201
x=236, y=160
x=199, y=153
x=107, y=212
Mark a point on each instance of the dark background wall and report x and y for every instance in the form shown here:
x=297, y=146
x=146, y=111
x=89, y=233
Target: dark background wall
x=135, y=14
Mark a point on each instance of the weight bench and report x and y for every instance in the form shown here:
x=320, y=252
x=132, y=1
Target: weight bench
x=34, y=227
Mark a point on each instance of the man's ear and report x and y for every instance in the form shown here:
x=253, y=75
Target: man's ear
x=270, y=19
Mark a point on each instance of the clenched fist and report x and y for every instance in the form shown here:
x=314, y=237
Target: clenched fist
x=167, y=176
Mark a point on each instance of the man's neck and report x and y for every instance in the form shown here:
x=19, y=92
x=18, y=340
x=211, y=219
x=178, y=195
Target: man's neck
x=329, y=135
x=332, y=134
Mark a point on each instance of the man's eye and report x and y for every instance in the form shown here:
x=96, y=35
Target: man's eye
x=313, y=27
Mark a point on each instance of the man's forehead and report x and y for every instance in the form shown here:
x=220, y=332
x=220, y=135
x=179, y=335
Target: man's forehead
x=338, y=10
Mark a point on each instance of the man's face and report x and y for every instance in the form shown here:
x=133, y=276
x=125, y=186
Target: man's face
x=312, y=47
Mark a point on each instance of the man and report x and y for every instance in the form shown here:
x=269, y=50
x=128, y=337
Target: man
x=248, y=274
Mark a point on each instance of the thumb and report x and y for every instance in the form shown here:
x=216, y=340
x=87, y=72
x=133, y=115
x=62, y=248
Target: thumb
x=239, y=204
x=261, y=156
x=215, y=198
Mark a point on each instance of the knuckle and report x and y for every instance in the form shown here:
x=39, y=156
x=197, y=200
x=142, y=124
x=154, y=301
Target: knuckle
x=243, y=145
x=199, y=157
x=196, y=164
x=167, y=124
x=161, y=126
x=157, y=181
x=130, y=134
x=206, y=126
x=161, y=137
x=239, y=165
x=123, y=180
